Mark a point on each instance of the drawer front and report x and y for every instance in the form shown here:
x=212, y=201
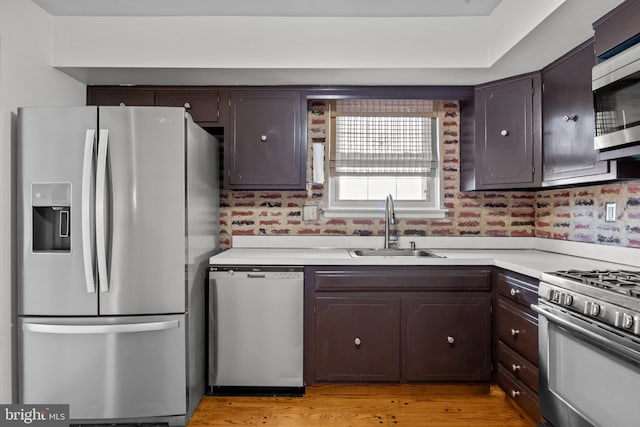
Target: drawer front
x=526, y=398
x=519, y=367
x=518, y=330
x=518, y=289
x=409, y=278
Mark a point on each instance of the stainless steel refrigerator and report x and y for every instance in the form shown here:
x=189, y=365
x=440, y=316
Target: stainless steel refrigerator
x=117, y=215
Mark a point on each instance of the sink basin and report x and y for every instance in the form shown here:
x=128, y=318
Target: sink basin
x=394, y=252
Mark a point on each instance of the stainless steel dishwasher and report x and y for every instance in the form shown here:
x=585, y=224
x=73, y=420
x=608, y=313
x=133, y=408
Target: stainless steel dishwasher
x=255, y=329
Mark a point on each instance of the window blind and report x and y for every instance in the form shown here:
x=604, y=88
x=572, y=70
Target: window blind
x=385, y=145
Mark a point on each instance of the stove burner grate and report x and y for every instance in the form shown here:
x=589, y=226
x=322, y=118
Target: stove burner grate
x=620, y=281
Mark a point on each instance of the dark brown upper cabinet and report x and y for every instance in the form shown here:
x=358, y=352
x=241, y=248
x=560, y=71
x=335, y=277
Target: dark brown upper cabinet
x=505, y=134
x=567, y=121
x=617, y=27
x=206, y=106
x=264, y=147
x=120, y=96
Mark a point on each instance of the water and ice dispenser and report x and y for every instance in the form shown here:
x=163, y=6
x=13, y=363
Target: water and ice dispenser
x=51, y=217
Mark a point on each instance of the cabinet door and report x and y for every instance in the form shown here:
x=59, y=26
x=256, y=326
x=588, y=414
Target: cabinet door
x=265, y=149
x=567, y=119
x=449, y=339
x=508, y=147
x=617, y=27
x=357, y=339
x=116, y=96
x=202, y=104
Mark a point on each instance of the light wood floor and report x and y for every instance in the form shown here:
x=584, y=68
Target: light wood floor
x=355, y=406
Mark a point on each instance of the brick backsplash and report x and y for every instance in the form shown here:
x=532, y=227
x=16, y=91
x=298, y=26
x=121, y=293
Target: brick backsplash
x=578, y=214
x=569, y=214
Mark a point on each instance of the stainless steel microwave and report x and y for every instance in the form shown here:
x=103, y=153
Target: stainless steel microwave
x=616, y=95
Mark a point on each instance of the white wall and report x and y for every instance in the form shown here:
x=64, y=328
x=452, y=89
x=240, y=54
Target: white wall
x=26, y=78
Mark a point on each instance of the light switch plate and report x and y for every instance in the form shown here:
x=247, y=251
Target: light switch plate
x=309, y=212
x=610, y=212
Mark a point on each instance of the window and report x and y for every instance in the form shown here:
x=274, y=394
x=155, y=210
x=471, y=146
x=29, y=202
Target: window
x=381, y=147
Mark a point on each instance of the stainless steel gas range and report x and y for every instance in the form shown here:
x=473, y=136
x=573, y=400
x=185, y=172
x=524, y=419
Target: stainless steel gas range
x=589, y=343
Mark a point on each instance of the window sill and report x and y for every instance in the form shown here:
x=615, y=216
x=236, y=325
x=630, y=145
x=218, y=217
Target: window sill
x=379, y=213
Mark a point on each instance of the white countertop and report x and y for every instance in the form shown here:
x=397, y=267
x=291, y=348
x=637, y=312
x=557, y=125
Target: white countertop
x=527, y=261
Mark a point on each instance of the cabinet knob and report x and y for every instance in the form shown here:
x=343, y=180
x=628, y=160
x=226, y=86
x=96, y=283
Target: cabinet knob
x=263, y=138
x=515, y=393
x=450, y=340
x=504, y=132
x=122, y=104
x=514, y=292
x=357, y=341
x=515, y=332
x=515, y=368
x=570, y=118
x=187, y=106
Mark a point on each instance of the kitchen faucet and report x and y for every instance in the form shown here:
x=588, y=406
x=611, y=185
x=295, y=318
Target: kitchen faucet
x=389, y=218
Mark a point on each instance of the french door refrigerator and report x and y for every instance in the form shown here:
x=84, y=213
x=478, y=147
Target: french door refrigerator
x=118, y=215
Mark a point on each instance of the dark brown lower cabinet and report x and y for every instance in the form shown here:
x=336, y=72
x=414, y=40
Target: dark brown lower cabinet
x=397, y=324
x=448, y=339
x=526, y=398
x=357, y=339
x=516, y=339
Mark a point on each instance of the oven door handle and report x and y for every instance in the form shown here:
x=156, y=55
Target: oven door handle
x=591, y=336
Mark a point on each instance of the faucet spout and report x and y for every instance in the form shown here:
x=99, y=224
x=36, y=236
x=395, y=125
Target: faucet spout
x=389, y=218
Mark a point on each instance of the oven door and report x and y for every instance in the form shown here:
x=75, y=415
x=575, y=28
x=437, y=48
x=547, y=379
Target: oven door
x=589, y=376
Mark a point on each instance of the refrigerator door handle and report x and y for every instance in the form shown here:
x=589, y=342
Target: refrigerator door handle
x=100, y=329
x=101, y=207
x=87, y=248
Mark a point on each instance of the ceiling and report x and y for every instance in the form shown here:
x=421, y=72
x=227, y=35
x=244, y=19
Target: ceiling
x=324, y=8
x=313, y=42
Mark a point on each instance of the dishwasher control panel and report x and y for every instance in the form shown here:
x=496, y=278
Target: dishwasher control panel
x=261, y=272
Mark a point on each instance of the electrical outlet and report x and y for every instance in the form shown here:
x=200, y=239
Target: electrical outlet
x=610, y=212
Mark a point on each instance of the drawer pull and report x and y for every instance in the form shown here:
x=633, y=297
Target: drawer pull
x=515, y=393
x=514, y=292
x=450, y=340
x=515, y=368
x=357, y=341
x=264, y=138
x=515, y=332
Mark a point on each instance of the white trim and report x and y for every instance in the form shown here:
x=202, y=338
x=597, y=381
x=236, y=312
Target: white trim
x=406, y=212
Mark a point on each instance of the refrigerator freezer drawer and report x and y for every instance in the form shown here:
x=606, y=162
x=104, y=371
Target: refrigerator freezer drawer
x=105, y=368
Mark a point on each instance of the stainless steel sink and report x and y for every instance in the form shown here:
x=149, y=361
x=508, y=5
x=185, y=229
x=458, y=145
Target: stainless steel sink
x=394, y=252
